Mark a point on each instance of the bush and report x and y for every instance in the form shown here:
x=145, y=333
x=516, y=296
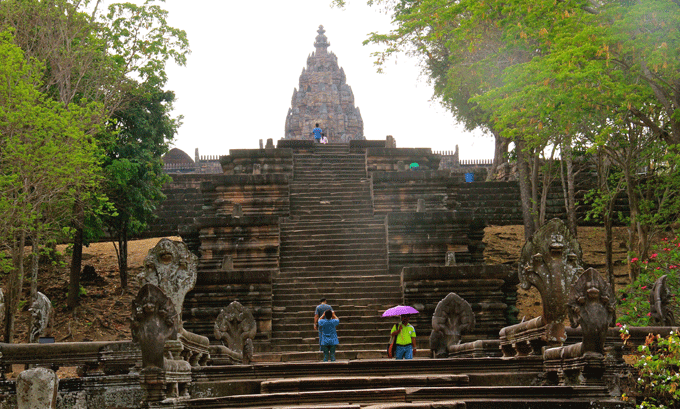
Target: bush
x=658, y=379
x=634, y=309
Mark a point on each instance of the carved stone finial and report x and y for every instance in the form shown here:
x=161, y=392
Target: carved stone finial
x=659, y=298
x=41, y=310
x=321, y=44
x=235, y=326
x=551, y=261
x=171, y=267
x=154, y=321
x=591, y=306
x=452, y=317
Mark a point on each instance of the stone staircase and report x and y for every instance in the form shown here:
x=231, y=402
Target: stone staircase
x=332, y=246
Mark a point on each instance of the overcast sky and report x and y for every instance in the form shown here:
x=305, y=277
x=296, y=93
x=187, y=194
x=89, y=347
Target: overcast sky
x=246, y=60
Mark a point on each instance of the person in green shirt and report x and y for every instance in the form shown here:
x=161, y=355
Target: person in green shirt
x=406, y=339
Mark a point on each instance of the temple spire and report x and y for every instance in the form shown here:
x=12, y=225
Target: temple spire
x=321, y=42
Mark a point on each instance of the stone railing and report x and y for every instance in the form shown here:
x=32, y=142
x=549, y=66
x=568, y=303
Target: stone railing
x=115, y=357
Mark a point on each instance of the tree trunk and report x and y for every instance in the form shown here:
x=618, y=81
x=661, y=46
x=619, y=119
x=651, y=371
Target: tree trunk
x=525, y=189
x=571, y=192
x=76, y=264
x=122, y=257
x=35, y=265
x=535, y=160
x=634, y=230
x=499, y=154
x=16, y=283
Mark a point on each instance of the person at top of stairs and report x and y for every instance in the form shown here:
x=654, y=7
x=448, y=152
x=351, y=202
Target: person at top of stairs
x=320, y=310
x=329, y=336
x=318, y=133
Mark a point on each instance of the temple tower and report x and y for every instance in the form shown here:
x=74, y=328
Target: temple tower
x=324, y=97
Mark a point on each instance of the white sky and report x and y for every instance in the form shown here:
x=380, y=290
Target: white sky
x=246, y=60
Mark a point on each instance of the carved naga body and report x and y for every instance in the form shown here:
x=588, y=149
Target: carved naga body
x=591, y=306
x=551, y=261
x=659, y=298
x=452, y=317
x=172, y=267
x=235, y=327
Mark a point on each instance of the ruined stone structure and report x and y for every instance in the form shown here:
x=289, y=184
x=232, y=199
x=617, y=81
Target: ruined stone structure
x=323, y=97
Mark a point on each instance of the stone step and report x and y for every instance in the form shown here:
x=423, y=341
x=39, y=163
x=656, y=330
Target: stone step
x=340, y=354
x=318, y=272
x=350, y=286
x=356, y=382
x=289, y=244
x=334, y=230
x=351, y=309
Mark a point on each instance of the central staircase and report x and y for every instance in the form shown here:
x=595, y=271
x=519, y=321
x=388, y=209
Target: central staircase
x=332, y=246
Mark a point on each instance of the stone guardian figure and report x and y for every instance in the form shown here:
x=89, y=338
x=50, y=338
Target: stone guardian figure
x=41, y=311
x=172, y=267
x=452, y=317
x=236, y=327
x=659, y=298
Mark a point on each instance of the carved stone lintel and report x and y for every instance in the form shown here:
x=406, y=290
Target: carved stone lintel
x=451, y=318
x=235, y=326
x=659, y=298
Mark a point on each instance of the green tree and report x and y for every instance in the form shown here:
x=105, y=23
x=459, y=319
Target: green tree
x=45, y=155
x=98, y=56
x=141, y=134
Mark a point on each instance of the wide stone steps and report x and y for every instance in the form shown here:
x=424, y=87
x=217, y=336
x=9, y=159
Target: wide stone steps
x=338, y=246
x=331, y=212
x=348, y=282
x=356, y=382
x=316, y=273
x=454, y=397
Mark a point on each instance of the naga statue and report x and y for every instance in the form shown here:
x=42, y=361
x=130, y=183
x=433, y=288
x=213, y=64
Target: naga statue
x=172, y=267
x=592, y=307
x=452, y=317
x=155, y=321
x=41, y=311
x=235, y=327
x=659, y=298
x=551, y=262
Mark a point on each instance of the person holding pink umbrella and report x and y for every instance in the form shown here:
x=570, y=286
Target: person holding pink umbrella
x=406, y=339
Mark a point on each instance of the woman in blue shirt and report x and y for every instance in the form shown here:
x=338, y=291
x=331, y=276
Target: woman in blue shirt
x=329, y=337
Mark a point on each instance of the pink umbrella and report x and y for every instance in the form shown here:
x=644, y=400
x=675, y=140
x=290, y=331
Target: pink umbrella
x=400, y=310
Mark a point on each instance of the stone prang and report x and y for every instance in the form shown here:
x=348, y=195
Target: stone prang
x=324, y=97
